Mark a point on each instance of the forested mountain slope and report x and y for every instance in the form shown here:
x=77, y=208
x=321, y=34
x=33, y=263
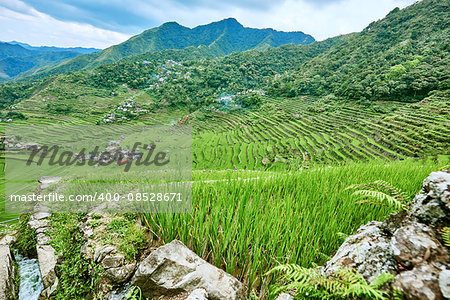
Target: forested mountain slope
x=403, y=56
x=221, y=38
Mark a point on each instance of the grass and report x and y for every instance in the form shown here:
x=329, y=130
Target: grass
x=249, y=226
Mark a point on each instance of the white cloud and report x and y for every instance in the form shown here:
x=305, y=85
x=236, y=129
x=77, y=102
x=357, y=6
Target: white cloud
x=25, y=24
x=321, y=19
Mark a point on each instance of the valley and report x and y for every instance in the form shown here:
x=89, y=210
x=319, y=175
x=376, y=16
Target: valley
x=295, y=144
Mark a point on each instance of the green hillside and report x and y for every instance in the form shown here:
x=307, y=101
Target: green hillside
x=223, y=37
x=22, y=59
x=279, y=131
x=15, y=65
x=7, y=50
x=403, y=56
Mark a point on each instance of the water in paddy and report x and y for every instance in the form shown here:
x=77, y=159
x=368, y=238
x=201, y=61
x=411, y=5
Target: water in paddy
x=30, y=278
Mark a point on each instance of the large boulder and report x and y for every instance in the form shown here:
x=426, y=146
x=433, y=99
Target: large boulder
x=7, y=274
x=407, y=245
x=174, y=269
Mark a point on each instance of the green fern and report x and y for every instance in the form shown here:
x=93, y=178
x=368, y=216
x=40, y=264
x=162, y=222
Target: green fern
x=345, y=283
x=381, y=193
x=342, y=236
x=446, y=236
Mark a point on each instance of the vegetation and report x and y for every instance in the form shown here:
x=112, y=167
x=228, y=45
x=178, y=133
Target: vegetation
x=26, y=238
x=77, y=275
x=446, y=236
x=278, y=136
x=129, y=236
x=345, y=283
x=220, y=38
x=403, y=57
x=243, y=221
x=380, y=193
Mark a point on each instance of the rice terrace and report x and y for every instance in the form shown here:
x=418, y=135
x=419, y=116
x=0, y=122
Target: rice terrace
x=222, y=161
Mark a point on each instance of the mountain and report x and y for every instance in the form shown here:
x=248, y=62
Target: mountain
x=7, y=50
x=15, y=65
x=54, y=49
x=222, y=38
x=401, y=57
x=16, y=57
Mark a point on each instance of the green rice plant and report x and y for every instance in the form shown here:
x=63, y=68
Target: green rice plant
x=246, y=222
x=380, y=192
x=344, y=283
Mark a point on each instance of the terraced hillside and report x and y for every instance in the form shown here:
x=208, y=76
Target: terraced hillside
x=298, y=132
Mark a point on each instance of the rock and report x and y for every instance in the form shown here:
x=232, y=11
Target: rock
x=7, y=239
x=35, y=224
x=46, y=293
x=45, y=181
x=284, y=296
x=432, y=205
x=198, y=294
x=101, y=252
x=444, y=283
x=173, y=268
x=113, y=261
x=42, y=239
x=40, y=215
x=47, y=262
x=415, y=243
x=406, y=245
x=41, y=208
x=87, y=230
x=120, y=274
x=368, y=251
x=419, y=283
x=7, y=274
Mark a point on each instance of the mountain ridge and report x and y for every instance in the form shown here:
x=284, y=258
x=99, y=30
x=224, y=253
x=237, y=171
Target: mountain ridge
x=223, y=37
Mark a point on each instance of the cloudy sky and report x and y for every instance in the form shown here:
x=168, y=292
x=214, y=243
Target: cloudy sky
x=101, y=23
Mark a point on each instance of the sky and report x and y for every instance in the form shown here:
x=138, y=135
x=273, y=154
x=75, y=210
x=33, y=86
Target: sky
x=102, y=23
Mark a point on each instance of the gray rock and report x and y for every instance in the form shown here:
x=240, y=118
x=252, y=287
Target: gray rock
x=432, y=205
x=113, y=261
x=7, y=239
x=101, y=252
x=87, y=230
x=444, y=283
x=406, y=245
x=35, y=224
x=120, y=274
x=368, y=251
x=419, y=283
x=284, y=296
x=41, y=208
x=198, y=294
x=40, y=215
x=415, y=243
x=42, y=239
x=47, y=262
x=46, y=293
x=7, y=273
x=173, y=269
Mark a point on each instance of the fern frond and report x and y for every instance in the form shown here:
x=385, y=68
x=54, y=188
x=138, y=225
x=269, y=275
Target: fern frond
x=342, y=235
x=381, y=192
x=397, y=294
x=381, y=279
x=344, y=283
x=446, y=236
x=377, y=197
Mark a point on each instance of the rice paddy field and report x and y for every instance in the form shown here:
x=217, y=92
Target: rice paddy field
x=269, y=183
x=249, y=221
